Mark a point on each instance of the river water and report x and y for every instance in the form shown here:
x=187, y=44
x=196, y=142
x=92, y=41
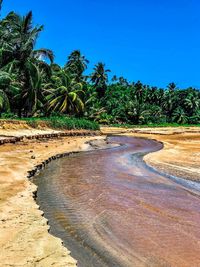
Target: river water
x=110, y=209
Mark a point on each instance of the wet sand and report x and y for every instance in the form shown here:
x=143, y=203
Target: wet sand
x=110, y=209
x=24, y=237
x=180, y=155
x=23, y=231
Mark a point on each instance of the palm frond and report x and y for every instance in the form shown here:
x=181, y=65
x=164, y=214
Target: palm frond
x=1, y=2
x=27, y=22
x=4, y=102
x=44, y=53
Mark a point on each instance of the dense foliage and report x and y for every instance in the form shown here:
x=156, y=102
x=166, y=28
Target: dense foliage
x=136, y=103
x=32, y=85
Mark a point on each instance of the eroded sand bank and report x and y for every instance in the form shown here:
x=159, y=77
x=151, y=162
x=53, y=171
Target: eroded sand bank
x=24, y=237
x=180, y=155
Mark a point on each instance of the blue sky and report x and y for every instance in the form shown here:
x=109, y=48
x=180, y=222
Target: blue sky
x=154, y=41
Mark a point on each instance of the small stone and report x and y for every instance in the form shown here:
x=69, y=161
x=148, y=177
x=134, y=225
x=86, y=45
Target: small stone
x=32, y=157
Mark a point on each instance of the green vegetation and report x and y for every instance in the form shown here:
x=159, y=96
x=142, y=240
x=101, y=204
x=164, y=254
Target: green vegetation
x=32, y=85
x=63, y=122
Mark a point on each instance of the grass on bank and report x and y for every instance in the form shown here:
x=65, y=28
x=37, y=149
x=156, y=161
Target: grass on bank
x=70, y=123
x=60, y=122
x=66, y=123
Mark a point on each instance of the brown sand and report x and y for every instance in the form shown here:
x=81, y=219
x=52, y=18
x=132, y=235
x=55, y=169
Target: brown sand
x=24, y=237
x=24, y=240
x=181, y=153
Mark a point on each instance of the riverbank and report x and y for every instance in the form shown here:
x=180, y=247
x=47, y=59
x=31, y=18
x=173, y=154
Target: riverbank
x=180, y=155
x=24, y=237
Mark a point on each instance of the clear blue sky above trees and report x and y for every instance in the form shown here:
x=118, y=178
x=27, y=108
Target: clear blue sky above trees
x=155, y=41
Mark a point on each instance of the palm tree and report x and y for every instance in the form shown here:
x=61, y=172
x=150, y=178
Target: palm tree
x=99, y=78
x=123, y=81
x=152, y=95
x=192, y=102
x=171, y=86
x=136, y=111
x=1, y=2
x=179, y=116
x=5, y=79
x=76, y=65
x=4, y=102
x=6, y=88
x=64, y=94
x=18, y=40
x=170, y=102
x=138, y=92
x=22, y=37
x=114, y=79
x=32, y=96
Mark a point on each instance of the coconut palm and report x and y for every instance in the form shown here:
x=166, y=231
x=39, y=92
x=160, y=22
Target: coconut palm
x=18, y=54
x=192, y=102
x=139, y=92
x=179, y=116
x=22, y=37
x=76, y=65
x=1, y=2
x=5, y=81
x=170, y=102
x=32, y=96
x=99, y=78
x=4, y=102
x=64, y=94
x=171, y=86
x=123, y=81
x=114, y=79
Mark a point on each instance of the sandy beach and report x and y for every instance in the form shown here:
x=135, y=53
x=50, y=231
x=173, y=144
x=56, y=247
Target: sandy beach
x=24, y=237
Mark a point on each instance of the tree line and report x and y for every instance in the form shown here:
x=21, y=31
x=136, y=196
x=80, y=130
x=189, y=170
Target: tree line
x=32, y=84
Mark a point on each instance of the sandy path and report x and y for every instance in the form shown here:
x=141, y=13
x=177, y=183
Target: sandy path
x=24, y=237
x=181, y=153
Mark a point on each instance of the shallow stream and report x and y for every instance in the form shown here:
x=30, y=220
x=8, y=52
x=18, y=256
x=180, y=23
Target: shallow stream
x=110, y=209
